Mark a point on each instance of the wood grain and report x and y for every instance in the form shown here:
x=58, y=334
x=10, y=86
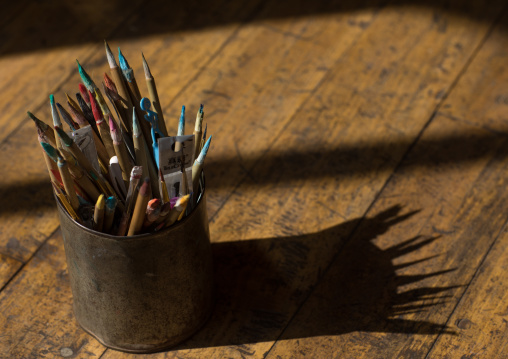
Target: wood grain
x=320, y=248
x=8, y=266
x=401, y=287
x=480, y=317
x=36, y=311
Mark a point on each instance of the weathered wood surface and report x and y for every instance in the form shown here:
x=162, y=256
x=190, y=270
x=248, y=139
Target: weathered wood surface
x=324, y=245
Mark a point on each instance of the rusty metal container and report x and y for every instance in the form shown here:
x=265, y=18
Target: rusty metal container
x=143, y=293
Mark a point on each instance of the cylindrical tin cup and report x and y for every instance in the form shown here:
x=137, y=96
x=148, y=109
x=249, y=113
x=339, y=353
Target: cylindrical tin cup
x=143, y=293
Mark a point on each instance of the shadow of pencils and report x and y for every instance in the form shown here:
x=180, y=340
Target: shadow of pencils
x=262, y=283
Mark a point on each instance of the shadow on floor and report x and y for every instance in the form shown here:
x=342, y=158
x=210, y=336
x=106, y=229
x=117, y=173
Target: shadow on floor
x=261, y=283
x=94, y=21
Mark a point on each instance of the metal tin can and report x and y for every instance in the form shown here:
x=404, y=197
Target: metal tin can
x=142, y=293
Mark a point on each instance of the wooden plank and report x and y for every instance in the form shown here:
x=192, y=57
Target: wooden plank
x=28, y=204
x=258, y=83
x=479, y=322
x=8, y=266
x=36, y=318
x=280, y=229
x=392, y=288
x=480, y=319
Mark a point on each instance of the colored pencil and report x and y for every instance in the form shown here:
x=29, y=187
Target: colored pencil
x=104, y=131
x=153, y=211
x=109, y=213
x=181, y=129
x=154, y=96
x=138, y=215
x=98, y=216
x=68, y=183
x=198, y=131
x=120, y=150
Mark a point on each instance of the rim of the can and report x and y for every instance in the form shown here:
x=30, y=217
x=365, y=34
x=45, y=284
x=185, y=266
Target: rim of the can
x=136, y=236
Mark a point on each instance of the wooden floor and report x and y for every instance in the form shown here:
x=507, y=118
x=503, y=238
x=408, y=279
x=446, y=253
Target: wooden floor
x=357, y=182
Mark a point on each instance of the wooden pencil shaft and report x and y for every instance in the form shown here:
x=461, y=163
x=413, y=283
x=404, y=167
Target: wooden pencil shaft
x=197, y=167
x=134, y=90
x=65, y=203
x=98, y=216
x=197, y=143
x=138, y=215
x=68, y=185
x=106, y=138
x=74, y=105
x=154, y=179
x=122, y=89
x=123, y=159
x=154, y=98
x=124, y=224
x=172, y=217
x=51, y=165
x=108, y=221
x=141, y=157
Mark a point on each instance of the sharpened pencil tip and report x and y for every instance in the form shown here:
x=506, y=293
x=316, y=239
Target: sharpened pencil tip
x=52, y=99
x=110, y=56
x=146, y=69
x=204, y=151
x=124, y=65
x=135, y=125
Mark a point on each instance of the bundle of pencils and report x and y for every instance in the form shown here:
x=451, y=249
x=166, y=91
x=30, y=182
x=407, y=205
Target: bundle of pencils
x=120, y=172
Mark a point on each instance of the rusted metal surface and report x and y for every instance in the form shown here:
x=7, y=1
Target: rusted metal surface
x=142, y=293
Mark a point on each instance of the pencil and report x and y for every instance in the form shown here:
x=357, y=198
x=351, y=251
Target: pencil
x=98, y=216
x=179, y=208
x=102, y=126
x=197, y=167
x=154, y=96
x=129, y=201
x=84, y=93
x=138, y=215
x=56, y=121
x=128, y=74
x=67, y=118
x=87, y=111
x=198, y=132
x=139, y=145
x=181, y=129
x=68, y=183
x=117, y=77
x=163, y=188
x=65, y=203
x=73, y=104
x=109, y=213
x=54, y=174
x=118, y=103
x=153, y=211
x=165, y=209
x=86, y=79
x=120, y=150
x=44, y=129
